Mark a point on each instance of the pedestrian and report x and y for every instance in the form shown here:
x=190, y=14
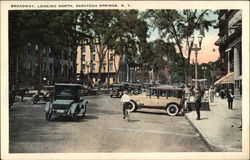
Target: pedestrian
x=211, y=94
x=198, y=98
x=125, y=102
x=187, y=94
x=230, y=98
x=222, y=94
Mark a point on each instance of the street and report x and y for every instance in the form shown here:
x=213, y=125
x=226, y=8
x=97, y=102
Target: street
x=101, y=130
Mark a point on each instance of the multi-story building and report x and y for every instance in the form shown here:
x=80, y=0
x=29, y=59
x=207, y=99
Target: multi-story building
x=88, y=63
x=36, y=63
x=230, y=33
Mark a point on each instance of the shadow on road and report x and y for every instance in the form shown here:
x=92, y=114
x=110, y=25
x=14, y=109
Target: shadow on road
x=90, y=117
x=156, y=113
x=133, y=120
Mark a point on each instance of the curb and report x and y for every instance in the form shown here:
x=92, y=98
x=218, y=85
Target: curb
x=208, y=143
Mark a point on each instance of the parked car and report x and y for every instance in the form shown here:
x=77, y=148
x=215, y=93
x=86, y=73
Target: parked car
x=117, y=90
x=46, y=94
x=67, y=102
x=169, y=99
x=135, y=88
x=86, y=91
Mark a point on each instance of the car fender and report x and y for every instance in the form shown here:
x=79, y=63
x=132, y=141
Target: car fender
x=83, y=106
x=73, y=108
x=47, y=107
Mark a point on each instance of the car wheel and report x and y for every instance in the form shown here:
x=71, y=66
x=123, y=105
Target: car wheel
x=48, y=116
x=172, y=109
x=83, y=114
x=35, y=101
x=75, y=115
x=135, y=91
x=132, y=106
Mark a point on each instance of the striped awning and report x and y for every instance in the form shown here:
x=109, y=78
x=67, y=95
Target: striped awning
x=229, y=78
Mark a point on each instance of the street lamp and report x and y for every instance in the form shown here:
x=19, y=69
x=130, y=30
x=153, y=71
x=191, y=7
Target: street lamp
x=204, y=68
x=196, y=49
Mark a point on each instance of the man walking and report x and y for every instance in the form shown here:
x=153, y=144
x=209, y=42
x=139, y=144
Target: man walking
x=125, y=101
x=230, y=97
x=199, y=95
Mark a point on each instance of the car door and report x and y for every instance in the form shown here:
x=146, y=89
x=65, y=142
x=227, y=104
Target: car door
x=163, y=98
x=152, y=99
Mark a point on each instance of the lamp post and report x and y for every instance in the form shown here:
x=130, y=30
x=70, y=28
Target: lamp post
x=204, y=68
x=196, y=49
x=39, y=67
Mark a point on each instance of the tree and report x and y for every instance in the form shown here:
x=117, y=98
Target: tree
x=128, y=35
x=180, y=25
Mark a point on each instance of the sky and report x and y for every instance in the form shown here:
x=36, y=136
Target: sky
x=209, y=51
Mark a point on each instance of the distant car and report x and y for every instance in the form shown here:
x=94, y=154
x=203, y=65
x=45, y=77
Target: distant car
x=135, y=88
x=117, y=90
x=169, y=99
x=86, y=91
x=67, y=102
x=46, y=94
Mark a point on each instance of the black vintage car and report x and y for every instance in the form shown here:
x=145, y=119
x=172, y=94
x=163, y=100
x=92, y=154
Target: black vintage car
x=67, y=102
x=46, y=94
x=117, y=90
x=135, y=88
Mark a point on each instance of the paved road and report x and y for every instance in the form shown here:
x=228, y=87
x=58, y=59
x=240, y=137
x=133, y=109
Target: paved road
x=102, y=130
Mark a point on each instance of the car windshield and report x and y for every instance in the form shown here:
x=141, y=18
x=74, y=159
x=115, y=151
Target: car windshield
x=66, y=92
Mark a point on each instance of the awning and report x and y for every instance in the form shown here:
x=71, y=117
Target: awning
x=229, y=78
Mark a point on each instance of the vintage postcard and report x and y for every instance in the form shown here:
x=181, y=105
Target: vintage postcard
x=124, y=79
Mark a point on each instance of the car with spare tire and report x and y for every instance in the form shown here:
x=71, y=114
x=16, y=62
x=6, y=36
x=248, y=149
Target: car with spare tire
x=169, y=99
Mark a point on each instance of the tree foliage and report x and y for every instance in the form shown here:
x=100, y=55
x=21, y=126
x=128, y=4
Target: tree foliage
x=180, y=25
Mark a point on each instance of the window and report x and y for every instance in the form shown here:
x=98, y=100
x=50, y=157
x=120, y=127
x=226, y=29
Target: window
x=111, y=57
x=50, y=69
x=83, y=57
x=111, y=66
x=113, y=79
x=83, y=67
x=93, y=67
x=65, y=56
x=163, y=93
x=44, y=67
x=93, y=57
x=83, y=49
x=92, y=49
x=30, y=65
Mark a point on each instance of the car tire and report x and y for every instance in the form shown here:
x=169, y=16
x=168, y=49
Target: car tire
x=83, y=114
x=172, y=109
x=135, y=91
x=75, y=115
x=132, y=107
x=48, y=116
x=35, y=101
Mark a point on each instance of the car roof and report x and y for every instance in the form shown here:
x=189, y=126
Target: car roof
x=67, y=84
x=165, y=88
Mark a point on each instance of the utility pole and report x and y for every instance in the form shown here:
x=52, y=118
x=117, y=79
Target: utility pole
x=108, y=69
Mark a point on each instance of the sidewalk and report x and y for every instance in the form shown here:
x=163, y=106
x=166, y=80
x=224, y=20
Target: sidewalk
x=219, y=127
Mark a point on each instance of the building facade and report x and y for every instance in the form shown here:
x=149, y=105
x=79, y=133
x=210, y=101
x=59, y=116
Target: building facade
x=230, y=45
x=42, y=65
x=88, y=63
